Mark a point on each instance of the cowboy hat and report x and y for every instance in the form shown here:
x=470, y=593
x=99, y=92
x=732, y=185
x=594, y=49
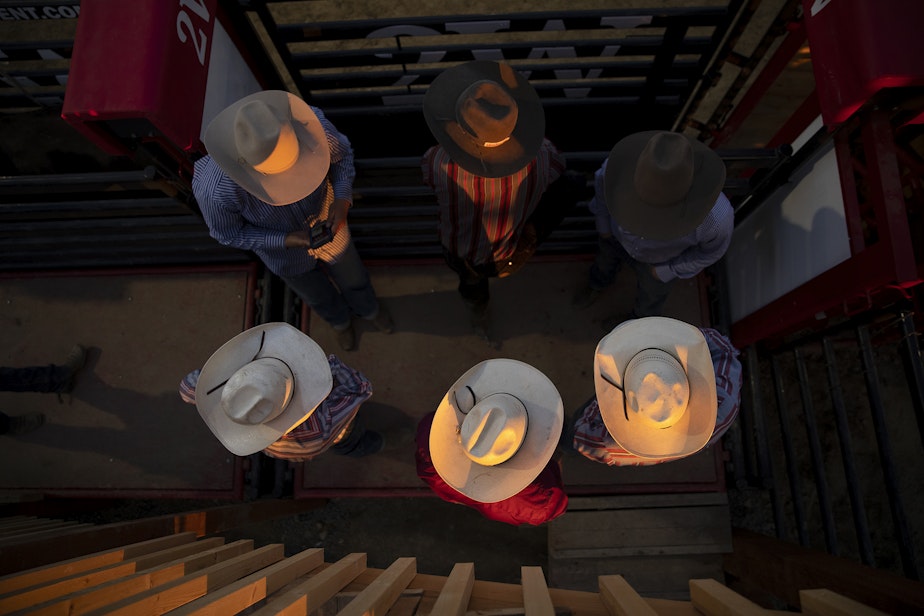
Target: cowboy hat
x=261, y=384
x=655, y=386
x=496, y=429
x=661, y=185
x=486, y=116
x=272, y=145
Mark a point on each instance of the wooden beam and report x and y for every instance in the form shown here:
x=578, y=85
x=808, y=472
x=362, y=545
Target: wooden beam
x=57, y=570
x=381, y=594
x=188, y=588
x=453, y=598
x=212, y=552
x=713, y=598
x=823, y=602
x=536, y=598
x=255, y=587
x=48, y=592
x=312, y=594
x=783, y=569
x=621, y=599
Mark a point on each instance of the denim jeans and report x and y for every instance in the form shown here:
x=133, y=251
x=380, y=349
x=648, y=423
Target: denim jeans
x=651, y=293
x=336, y=291
x=43, y=379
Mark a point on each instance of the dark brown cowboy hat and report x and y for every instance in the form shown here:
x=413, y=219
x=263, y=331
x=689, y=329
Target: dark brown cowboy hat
x=487, y=117
x=661, y=185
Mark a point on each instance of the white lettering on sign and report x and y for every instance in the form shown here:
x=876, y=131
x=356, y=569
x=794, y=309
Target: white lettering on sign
x=186, y=29
x=817, y=5
x=22, y=13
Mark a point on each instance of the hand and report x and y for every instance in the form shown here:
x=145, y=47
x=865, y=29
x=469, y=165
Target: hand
x=654, y=273
x=297, y=239
x=337, y=214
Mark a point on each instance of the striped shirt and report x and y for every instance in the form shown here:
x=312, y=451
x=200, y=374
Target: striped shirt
x=683, y=257
x=327, y=425
x=239, y=219
x=481, y=218
x=593, y=441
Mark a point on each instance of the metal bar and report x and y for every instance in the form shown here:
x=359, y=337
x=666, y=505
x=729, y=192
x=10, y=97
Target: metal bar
x=861, y=526
x=818, y=461
x=911, y=354
x=903, y=534
x=792, y=467
x=78, y=179
x=764, y=462
x=751, y=416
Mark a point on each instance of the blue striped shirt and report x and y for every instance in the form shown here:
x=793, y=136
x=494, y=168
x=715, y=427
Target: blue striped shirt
x=325, y=426
x=481, y=218
x=683, y=257
x=237, y=218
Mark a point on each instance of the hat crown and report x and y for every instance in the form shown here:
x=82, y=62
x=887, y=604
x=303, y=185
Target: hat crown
x=488, y=112
x=257, y=130
x=664, y=171
x=657, y=388
x=258, y=391
x=494, y=429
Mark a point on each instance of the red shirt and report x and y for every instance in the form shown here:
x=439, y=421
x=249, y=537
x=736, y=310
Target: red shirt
x=541, y=501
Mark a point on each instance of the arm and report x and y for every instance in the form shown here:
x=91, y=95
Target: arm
x=713, y=237
x=728, y=380
x=342, y=172
x=597, y=205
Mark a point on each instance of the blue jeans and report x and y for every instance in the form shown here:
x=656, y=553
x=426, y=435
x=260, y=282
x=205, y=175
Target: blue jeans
x=336, y=291
x=651, y=293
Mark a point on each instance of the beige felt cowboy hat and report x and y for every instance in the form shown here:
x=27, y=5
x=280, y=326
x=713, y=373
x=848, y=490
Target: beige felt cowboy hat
x=261, y=384
x=661, y=185
x=496, y=429
x=656, y=387
x=486, y=116
x=272, y=145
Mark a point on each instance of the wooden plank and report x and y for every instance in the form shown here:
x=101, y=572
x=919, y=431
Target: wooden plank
x=639, y=532
x=823, y=602
x=94, y=599
x=165, y=556
x=215, y=520
x=453, y=598
x=312, y=594
x=621, y=599
x=34, y=525
x=782, y=569
x=536, y=599
x=713, y=598
x=255, y=587
x=381, y=594
x=190, y=587
x=42, y=594
x=88, y=562
x=642, y=501
x=405, y=605
x=57, y=533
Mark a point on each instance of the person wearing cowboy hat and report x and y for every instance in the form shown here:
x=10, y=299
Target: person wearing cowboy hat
x=490, y=443
x=664, y=390
x=278, y=180
x=271, y=389
x=659, y=206
x=498, y=181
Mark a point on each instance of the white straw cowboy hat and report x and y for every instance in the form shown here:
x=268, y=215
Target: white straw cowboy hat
x=496, y=429
x=261, y=384
x=655, y=386
x=661, y=185
x=486, y=116
x=272, y=145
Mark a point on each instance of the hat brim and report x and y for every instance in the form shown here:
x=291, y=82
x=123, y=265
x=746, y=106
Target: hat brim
x=439, y=109
x=661, y=222
x=313, y=382
x=490, y=484
x=297, y=182
x=688, y=345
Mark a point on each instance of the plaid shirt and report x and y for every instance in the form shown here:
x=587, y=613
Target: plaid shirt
x=481, y=218
x=325, y=426
x=237, y=218
x=593, y=441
